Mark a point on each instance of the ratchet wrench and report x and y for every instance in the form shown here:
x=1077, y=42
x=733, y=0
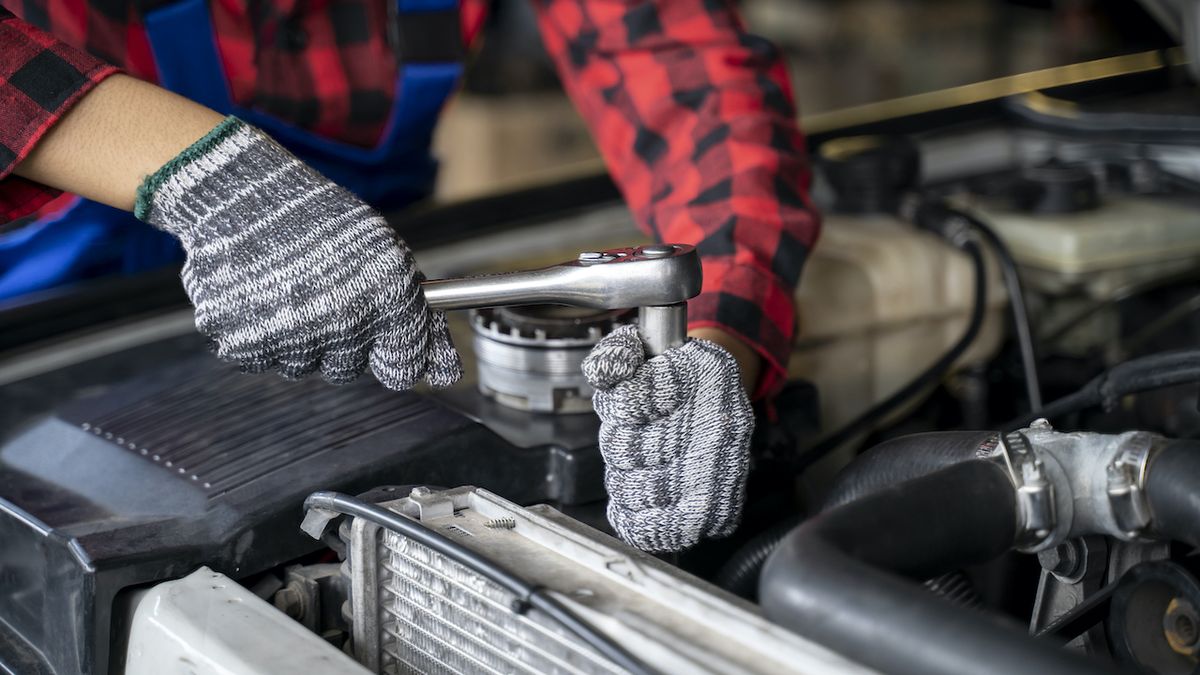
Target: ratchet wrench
x=657, y=279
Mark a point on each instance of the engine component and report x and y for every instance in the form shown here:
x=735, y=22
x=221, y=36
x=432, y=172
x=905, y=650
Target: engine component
x=870, y=174
x=890, y=463
x=960, y=236
x=834, y=579
x=1086, y=483
x=313, y=595
x=322, y=507
x=1170, y=489
x=1057, y=490
x=1130, y=239
x=415, y=610
x=201, y=465
x=208, y=623
x=882, y=300
x=902, y=459
x=1077, y=582
x=1016, y=294
x=1154, y=620
x=1145, y=373
x=1035, y=493
x=1068, y=484
x=1055, y=187
x=204, y=467
x=529, y=358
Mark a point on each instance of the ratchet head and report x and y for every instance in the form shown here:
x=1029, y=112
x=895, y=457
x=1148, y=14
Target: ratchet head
x=663, y=274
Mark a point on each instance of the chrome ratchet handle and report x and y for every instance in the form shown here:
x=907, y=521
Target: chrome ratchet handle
x=657, y=279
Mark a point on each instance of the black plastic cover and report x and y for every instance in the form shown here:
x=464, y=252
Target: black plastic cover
x=201, y=465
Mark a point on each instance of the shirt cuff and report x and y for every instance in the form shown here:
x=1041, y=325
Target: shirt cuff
x=754, y=306
x=41, y=78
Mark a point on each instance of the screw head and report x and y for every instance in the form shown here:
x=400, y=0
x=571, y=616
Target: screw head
x=658, y=251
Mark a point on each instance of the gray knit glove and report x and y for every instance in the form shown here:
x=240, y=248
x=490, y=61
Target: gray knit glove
x=290, y=272
x=675, y=435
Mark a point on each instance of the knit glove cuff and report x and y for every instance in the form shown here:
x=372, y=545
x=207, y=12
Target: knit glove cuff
x=675, y=436
x=289, y=271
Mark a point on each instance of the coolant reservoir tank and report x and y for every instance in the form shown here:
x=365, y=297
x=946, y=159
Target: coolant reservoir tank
x=878, y=303
x=1124, y=239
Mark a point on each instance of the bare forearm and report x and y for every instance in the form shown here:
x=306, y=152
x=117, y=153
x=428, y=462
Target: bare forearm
x=118, y=134
x=748, y=360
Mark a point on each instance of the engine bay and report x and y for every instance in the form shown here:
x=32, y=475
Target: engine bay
x=984, y=461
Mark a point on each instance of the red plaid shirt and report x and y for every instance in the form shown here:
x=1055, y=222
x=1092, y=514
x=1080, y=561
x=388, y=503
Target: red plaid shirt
x=693, y=115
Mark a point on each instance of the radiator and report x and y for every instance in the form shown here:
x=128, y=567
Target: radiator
x=412, y=610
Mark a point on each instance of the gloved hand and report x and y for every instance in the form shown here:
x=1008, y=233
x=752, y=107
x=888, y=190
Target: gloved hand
x=290, y=272
x=675, y=435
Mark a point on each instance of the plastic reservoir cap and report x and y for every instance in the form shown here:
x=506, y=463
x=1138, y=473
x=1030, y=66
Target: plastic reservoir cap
x=1055, y=187
x=870, y=174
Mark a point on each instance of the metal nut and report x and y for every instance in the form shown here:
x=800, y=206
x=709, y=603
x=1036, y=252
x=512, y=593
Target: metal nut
x=1181, y=626
x=1065, y=560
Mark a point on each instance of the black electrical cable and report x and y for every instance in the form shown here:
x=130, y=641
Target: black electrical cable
x=958, y=236
x=1145, y=373
x=1016, y=299
x=527, y=593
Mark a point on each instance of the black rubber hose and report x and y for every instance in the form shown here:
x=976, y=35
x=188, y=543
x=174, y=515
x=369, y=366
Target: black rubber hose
x=1145, y=373
x=930, y=376
x=1173, y=488
x=837, y=579
x=530, y=594
x=739, y=574
x=1064, y=117
x=889, y=463
x=902, y=459
x=1016, y=304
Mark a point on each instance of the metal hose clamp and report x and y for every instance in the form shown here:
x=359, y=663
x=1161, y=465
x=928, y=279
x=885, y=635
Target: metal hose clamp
x=1127, y=485
x=1035, y=492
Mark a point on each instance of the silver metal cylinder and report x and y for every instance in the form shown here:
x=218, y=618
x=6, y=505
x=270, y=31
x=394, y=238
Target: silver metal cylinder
x=662, y=327
x=1098, y=482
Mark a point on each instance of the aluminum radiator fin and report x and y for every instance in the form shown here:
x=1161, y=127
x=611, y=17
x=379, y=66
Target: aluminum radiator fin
x=437, y=616
x=415, y=610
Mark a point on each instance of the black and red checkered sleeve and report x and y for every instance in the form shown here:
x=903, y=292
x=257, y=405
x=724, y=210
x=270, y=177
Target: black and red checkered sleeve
x=40, y=79
x=696, y=121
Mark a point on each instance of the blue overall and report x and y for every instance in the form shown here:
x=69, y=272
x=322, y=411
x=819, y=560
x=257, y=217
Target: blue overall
x=89, y=239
